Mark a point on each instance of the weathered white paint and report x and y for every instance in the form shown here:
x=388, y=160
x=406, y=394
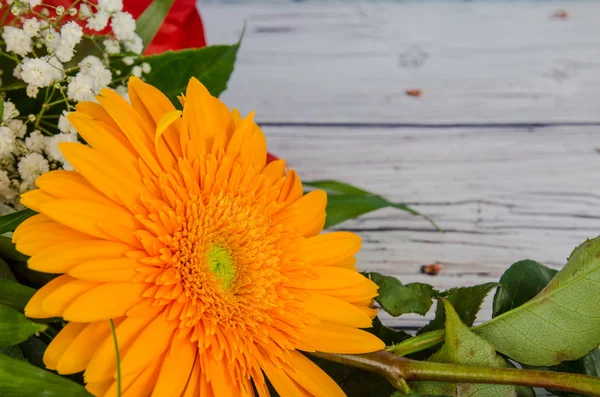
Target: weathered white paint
x=502, y=195
x=481, y=62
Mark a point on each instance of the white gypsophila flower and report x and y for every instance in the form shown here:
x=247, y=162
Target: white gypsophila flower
x=98, y=21
x=64, y=125
x=112, y=46
x=110, y=6
x=17, y=71
x=70, y=34
x=90, y=64
x=52, y=149
x=37, y=72
x=35, y=142
x=57, y=69
x=18, y=127
x=85, y=12
x=128, y=61
x=81, y=88
x=136, y=71
x=31, y=166
x=16, y=40
x=31, y=26
x=26, y=186
x=123, y=26
x=7, y=191
x=32, y=91
x=134, y=44
x=7, y=141
x=64, y=53
x=94, y=68
x=146, y=68
x=51, y=39
x=10, y=111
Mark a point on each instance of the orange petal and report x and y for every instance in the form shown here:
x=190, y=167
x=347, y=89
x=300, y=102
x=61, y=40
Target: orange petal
x=33, y=309
x=62, y=257
x=143, y=384
x=103, y=363
x=335, y=310
x=35, y=198
x=282, y=382
x=307, y=214
x=55, y=302
x=176, y=369
x=308, y=375
x=45, y=235
x=61, y=342
x=275, y=170
x=84, y=216
x=138, y=130
x=328, y=249
x=107, y=270
x=80, y=351
x=116, y=299
x=103, y=174
x=152, y=102
x=158, y=334
x=333, y=338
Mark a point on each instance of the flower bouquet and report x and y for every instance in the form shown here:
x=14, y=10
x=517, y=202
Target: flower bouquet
x=150, y=248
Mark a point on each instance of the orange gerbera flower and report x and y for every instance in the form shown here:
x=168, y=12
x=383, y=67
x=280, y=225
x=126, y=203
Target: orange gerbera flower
x=208, y=261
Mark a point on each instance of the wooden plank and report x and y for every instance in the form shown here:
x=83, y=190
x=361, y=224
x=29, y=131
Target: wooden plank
x=476, y=62
x=501, y=195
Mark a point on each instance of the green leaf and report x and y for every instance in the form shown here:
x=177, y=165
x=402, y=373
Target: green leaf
x=560, y=323
x=171, y=71
x=148, y=24
x=461, y=346
x=20, y=379
x=1, y=108
x=15, y=327
x=397, y=299
x=387, y=335
x=9, y=222
x=8, y=250
x=348, y=202
x=13, y=351
x=33, y=351
x=520, y=283
x=13, y=294
x=466, y=301
x=5, y=272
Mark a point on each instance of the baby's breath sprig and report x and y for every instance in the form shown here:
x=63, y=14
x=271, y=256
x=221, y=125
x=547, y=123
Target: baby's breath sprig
x=56, y=58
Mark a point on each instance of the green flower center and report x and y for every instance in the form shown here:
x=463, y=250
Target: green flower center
x=222, y=265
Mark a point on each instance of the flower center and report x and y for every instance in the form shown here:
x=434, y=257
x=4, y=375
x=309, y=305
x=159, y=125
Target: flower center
x=222, y=265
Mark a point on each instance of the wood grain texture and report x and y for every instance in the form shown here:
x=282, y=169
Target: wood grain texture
x=476, y=62
x=501, y=195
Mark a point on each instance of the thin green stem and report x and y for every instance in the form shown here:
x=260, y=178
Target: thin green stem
x=118, y=358
x=418, y=343
x=393, y=368
x=11, y=57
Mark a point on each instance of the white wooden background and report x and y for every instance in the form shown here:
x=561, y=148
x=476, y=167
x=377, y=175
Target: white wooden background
x=500, y=149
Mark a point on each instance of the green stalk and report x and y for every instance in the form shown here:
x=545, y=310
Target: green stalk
x=395, y=369
x=418, y=343
x=118, y=358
